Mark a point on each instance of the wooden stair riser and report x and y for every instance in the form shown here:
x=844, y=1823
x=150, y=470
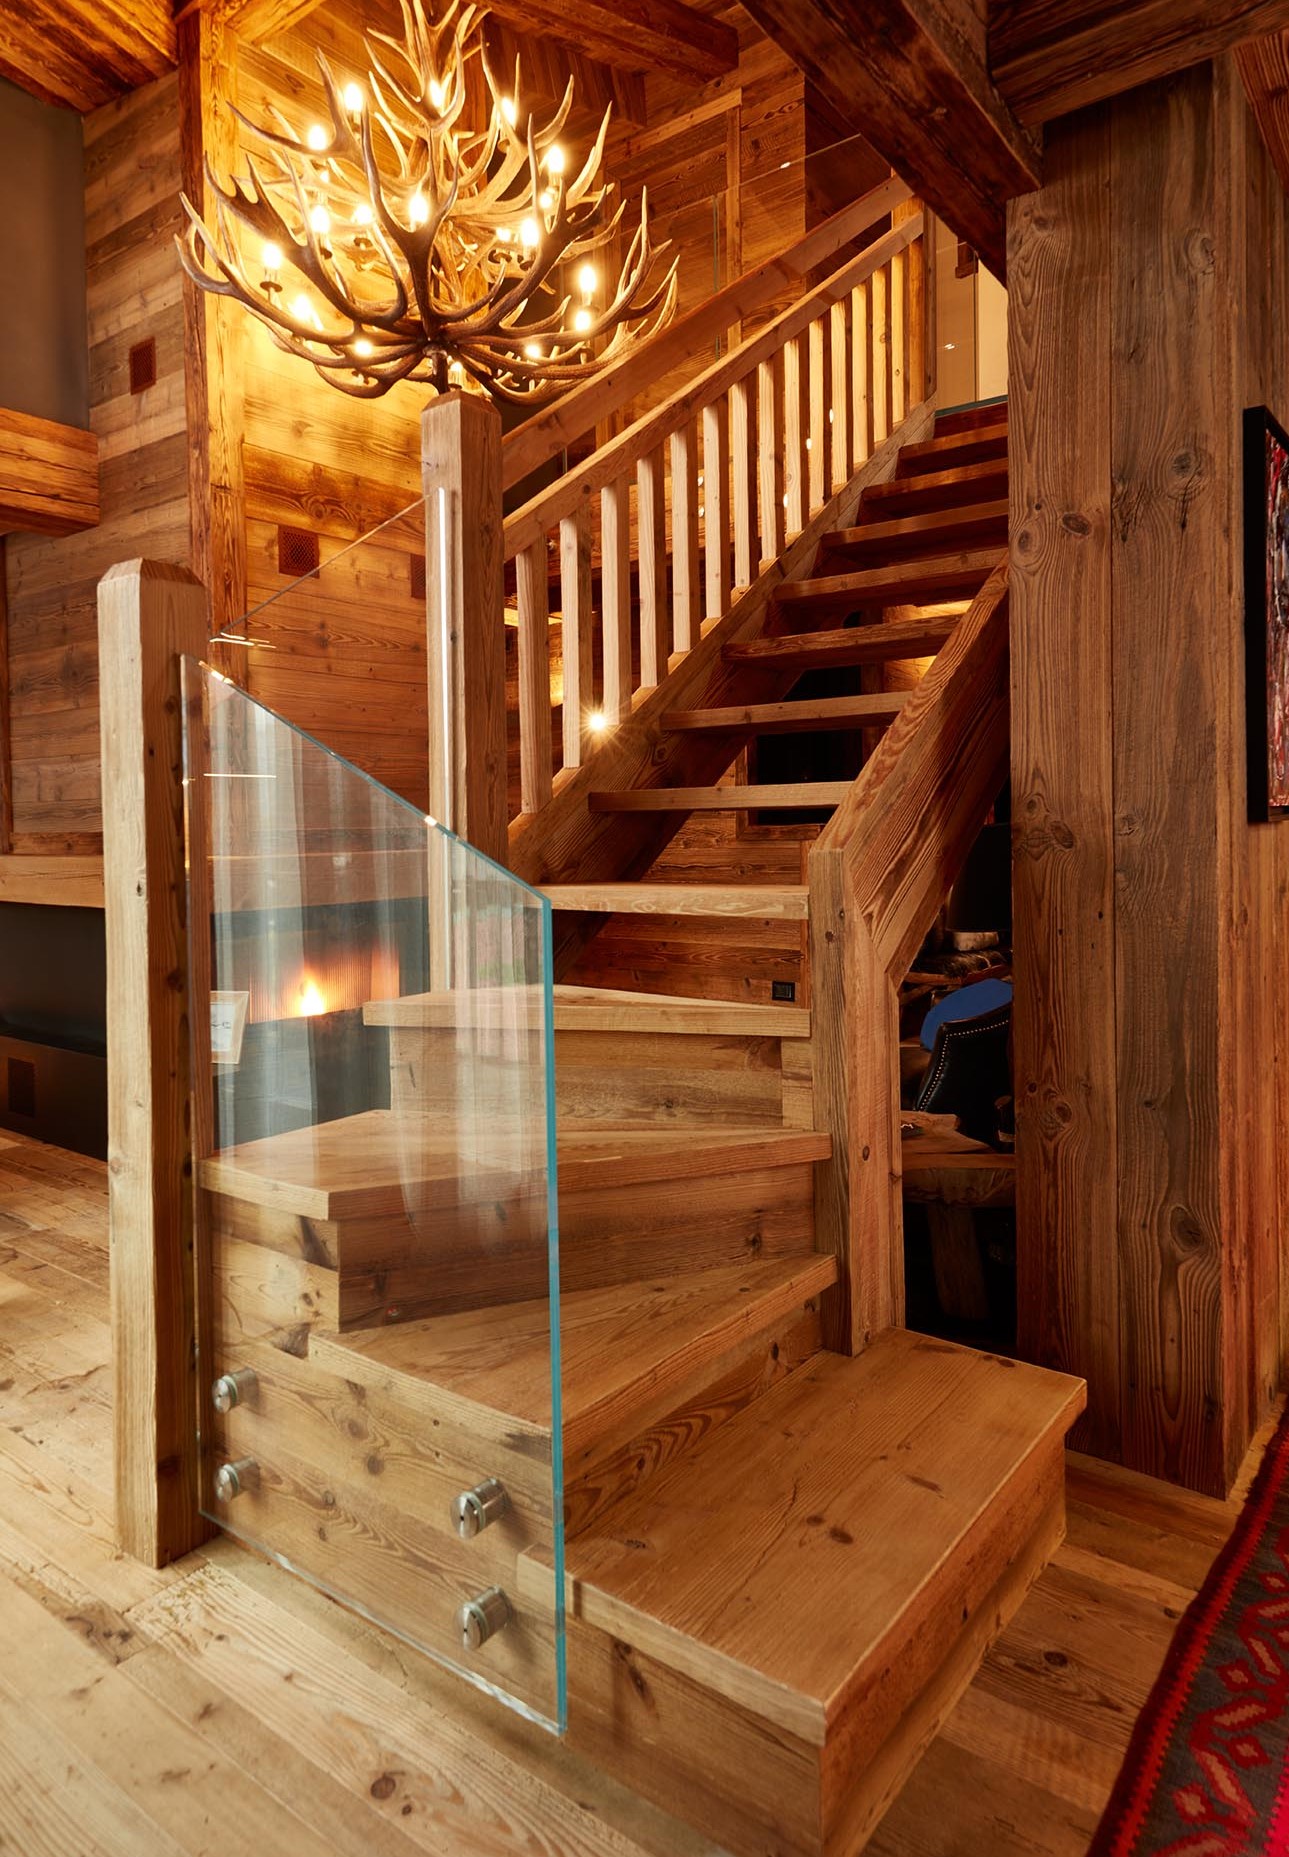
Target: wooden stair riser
x=716, y=960
x=670, y=1078
x=955, y=576
x=848, y=645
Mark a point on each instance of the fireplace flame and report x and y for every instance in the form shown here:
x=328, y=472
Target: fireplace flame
x=312, y=1000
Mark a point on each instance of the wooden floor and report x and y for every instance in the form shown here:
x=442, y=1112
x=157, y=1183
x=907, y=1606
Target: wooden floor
x=223, y=1707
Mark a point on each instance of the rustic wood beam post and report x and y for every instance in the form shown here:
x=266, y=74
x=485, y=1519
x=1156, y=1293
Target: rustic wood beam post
x=465, y=628
x=149, y=614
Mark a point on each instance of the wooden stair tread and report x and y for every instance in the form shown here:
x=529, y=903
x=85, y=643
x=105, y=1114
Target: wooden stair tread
x=942, y=490
x=618, y=1346
x=939, y=526
x=612, y=1009
x=381, y=1164
x=856, y=644
x=789, y=796
x=791, y=718
x=903, y=583
x=969, y=445
x=790, y=1558
x=779, y=902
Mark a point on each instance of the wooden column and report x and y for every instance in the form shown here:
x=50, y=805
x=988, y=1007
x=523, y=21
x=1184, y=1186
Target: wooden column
x=214, y=330
x=6, y=747
x=1149, y=1019
x=465, y=638
x=148, y=615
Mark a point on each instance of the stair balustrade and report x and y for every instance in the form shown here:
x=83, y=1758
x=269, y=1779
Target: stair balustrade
x=645, y=545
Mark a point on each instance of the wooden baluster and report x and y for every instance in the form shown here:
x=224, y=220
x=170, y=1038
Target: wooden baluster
x=861, y=442
x=899, y=337
x=651, y=549
x=839, y=408
x=531, y=577
x=716, y=506
x=743, y=446
x=684, y=537
x=881, y=335
x=795, y=421
x=575, y=606
x=916, y=385
x=615, y=574
x=818, y=416
x=769, y=419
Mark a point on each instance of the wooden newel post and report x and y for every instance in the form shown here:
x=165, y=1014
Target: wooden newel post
x=149, y=614
x=465, y=629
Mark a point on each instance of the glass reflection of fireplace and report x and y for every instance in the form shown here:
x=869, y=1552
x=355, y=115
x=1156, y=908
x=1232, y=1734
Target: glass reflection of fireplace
x=307, y=972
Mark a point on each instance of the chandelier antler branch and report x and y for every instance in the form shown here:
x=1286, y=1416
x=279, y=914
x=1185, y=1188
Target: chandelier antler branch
x=424, y=249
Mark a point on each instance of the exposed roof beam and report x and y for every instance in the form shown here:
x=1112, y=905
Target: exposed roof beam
x=1264, y=66
x=1051, y=56
x=910, y=76
x=82, y=53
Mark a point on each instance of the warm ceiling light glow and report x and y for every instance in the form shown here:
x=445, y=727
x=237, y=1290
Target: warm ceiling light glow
x=311, y=1001
x=406, y=176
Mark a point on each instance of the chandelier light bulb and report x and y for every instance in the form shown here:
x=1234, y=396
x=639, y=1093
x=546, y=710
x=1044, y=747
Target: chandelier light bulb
x=271, y=258
x=588, y=281
x=317, y=138
x=510, y=110
x=582, y=321
x=303, y=310
x=554, y=159
x=438, y=95
x=529, y=234
x=546, y=200
x=418, y=209
x=363, y=348
x=533, y=351
x=362, y=214
x=320, y=219
x=504, y=235
x=354, y=99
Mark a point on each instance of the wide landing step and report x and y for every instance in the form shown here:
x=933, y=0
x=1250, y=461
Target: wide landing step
x=604, y=1009
x=769, y=902
x=766, y=1634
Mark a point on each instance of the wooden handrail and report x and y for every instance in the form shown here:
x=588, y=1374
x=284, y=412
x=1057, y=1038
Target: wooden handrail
x=547, y=434
x=574, y=490
x=877, y=875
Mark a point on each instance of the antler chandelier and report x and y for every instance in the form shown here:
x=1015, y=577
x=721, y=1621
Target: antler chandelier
x=423, y=249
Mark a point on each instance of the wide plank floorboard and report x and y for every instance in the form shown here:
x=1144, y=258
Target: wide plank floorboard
x=220, y=1704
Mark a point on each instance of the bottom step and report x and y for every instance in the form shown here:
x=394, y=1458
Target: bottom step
x=766, y=1635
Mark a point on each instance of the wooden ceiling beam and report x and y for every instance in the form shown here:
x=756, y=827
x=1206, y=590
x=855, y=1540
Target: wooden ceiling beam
x=82, y=53
x=1264, y=67
x=1048, y=57
x=910, y=76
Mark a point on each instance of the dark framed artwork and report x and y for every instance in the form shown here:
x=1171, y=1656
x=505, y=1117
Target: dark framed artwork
x=1266, y=595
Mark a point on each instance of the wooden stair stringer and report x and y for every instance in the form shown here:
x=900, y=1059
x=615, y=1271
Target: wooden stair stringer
x=565, y=843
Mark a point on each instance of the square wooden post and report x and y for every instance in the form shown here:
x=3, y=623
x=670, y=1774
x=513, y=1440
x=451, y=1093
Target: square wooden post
x=465, y=625
x=149, y=614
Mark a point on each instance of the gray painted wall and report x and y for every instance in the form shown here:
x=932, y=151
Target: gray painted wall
x=44, y=355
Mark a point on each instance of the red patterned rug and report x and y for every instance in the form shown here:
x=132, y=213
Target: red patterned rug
x=1207, y=1770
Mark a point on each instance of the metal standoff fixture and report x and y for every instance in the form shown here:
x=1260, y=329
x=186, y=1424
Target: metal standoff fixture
x=482, y=1618
x=478, y=1508
x=233, y=1389
x=231, y=1479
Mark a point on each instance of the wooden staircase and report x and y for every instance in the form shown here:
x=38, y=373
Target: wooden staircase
x=783, y=1558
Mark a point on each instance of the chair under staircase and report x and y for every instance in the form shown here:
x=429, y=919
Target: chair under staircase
x=787, y=1528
